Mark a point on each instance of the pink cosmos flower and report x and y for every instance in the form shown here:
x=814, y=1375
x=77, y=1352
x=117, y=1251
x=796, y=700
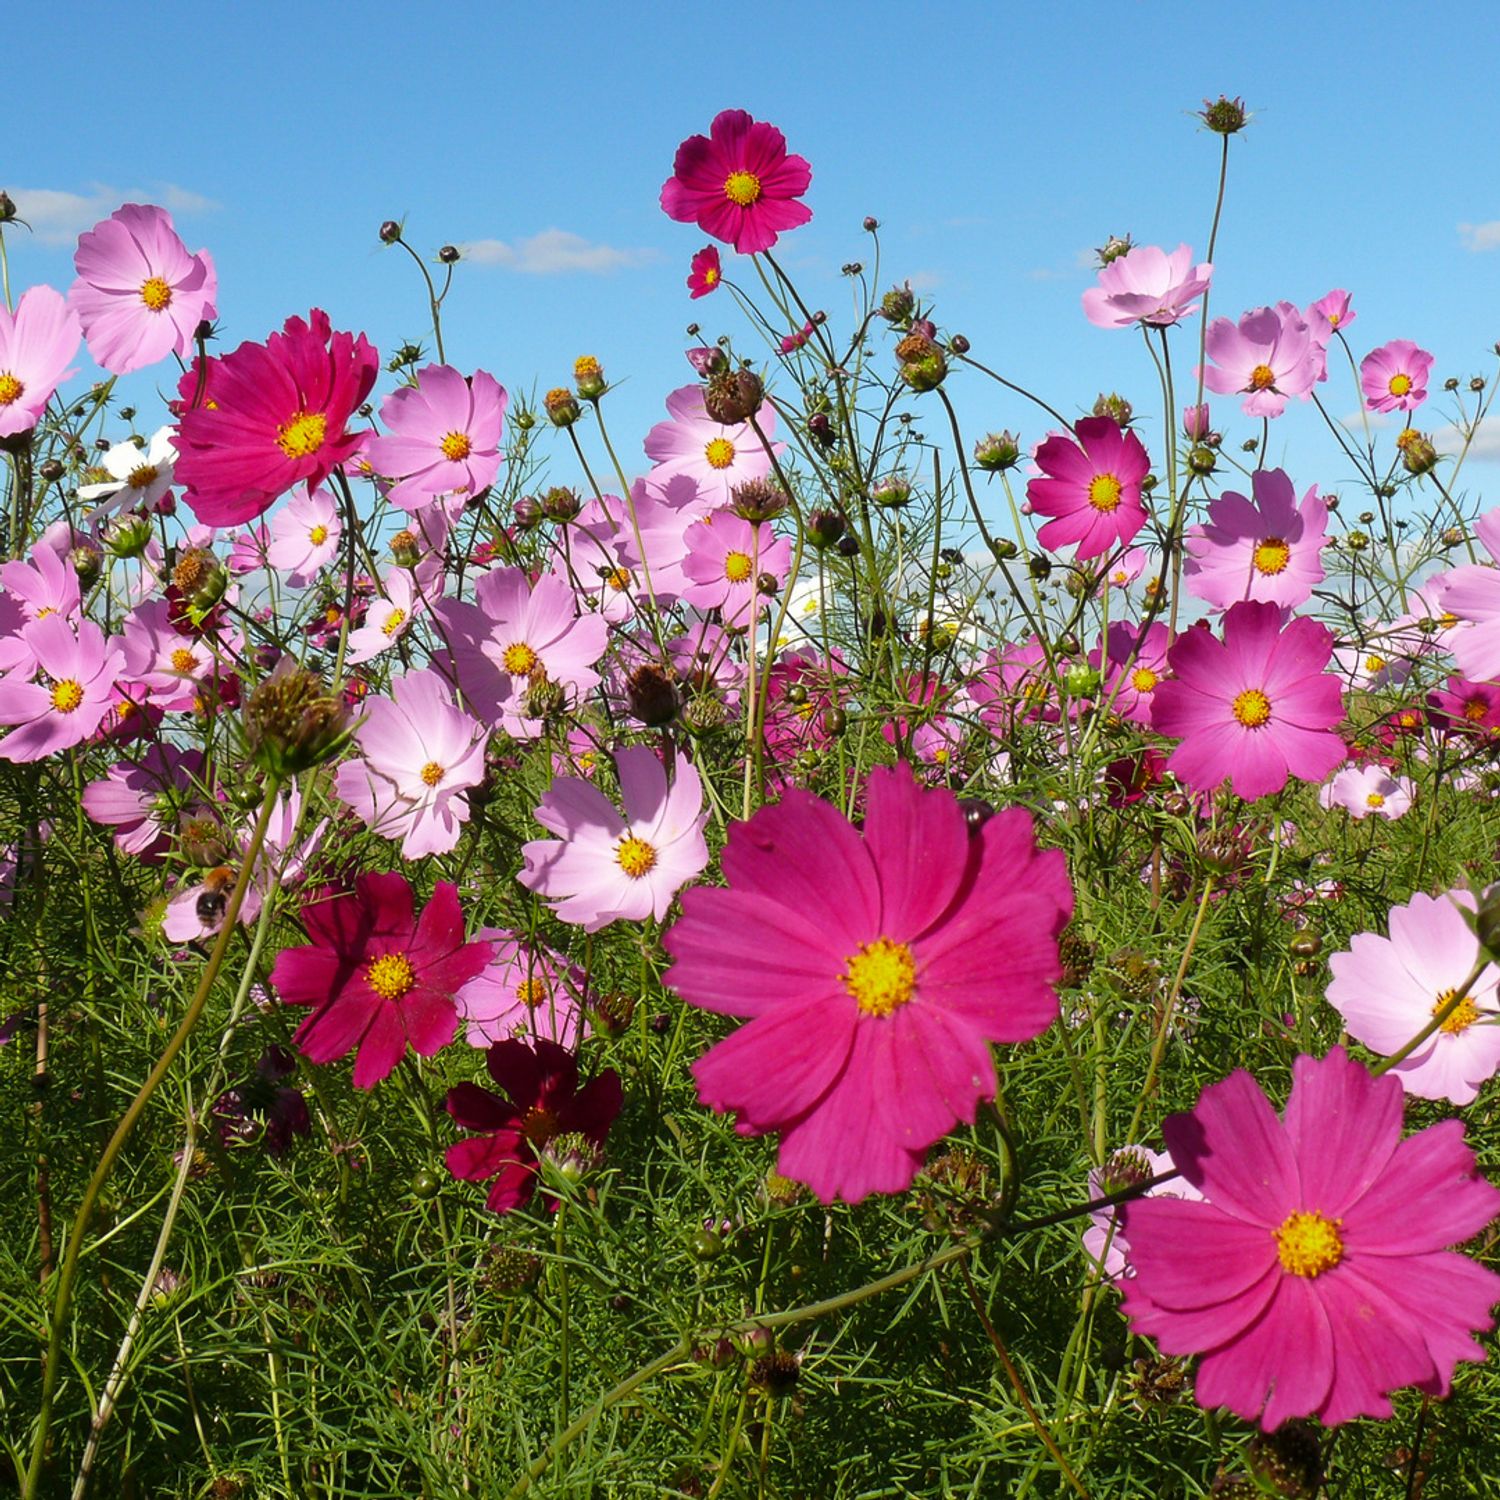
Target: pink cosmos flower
x=705, y=661
x=139, y=478
x=602, y=866
x=1092, y=487
x=421, y=754
x=1254, y=709
x=1147, y=285
x=378, y=977
x=140, y=295
x=704, y=273
x=1197, y=422
x=1388, y=988
x=717, y=457
x=525, y=991
x=1314, y=1278
x=408, y=591
x=1268, y=549
x=1394, y=376
x=875, y=970
x=726, y=557
x=271, y=416
x=1126, y=568
x=1472, y=594
x=1465, y=707
x=1363, y=791
x=1131, y=689
x=248, y=548
x=76, y=691
x=1330, y=313
x=163, y=657
x=738, y=183
x=1268, y=357
x=36, y=343
x=305, y=535
x=444, y=436
x=511, y=632
x=140, y=800
x=541, y=1101
x=45, y=584
x=1104, y=1240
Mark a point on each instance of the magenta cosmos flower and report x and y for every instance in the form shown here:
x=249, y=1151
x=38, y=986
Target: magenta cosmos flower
x=140, y=294
x=1269, y=356
x=1471, y=594
x=1146, y=285
x=875, y=968
x=1134, y=661
x=1314, y=1278
x=271, y=416
x=704, y=272
x=716, y=457
x=1267, y=549
x=603, y=867
x=1394, y=376
x=36, y=343
x=1388, y=988
x=1092, y=488
x=76, y=690
x=1255, y=708
x=738, y=183
x=444, y=436
x=378, y=977
x=541, y=1102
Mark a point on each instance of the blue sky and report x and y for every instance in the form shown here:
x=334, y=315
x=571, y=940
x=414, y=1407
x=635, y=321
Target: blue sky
x=996, y=144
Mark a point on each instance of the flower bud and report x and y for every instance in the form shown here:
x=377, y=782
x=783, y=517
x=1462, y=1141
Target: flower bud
x=820, y=429
x=86, y=563
x=707, y=360
x=588, y=376
x=7, y=208
x=199, y=577
x=1224, y=116
x=1115, y=407
x=568, y=1158
x=390, y=232
x=997, y=451
x=703, y=714
x=51, y=470
x=898, y=304
x=652, y=696
x=292, y=722
x=776, y=1374
x=561, y=406
x=561, y=504
x=1004, y=549
x=1040, y=566
x=1202, y=460
x=1113, y=248
x=959, y=344
x=1195, y=422
x=924, y=367
x=1419, y=456
x=543, y=699
x=406, y=550
x=871, y=224
x=448, y=254
x=1356, y=541
x=733, y=396
x=1080, y=680
x=847, y=545
x=528, y=512
x=758, y=500
x=892, y=492
x=824, y=528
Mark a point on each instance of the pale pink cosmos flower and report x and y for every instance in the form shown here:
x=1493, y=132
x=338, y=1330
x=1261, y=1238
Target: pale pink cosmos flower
x=1147, y=285
x=1269, y=356
x=1123, y=570
x=1394, y=376
x=716, y=456
x=526, y=991
x=666, y=506
x=1388, y=988
x=169, y=663
x=139, y=478
x=726, y=558
x=140, y=800
x=140, y=294
x=444, y=436
x=305, y=536
x=1104, y=1239
x=1368, y=791
x=77, y=688
x=1267, y=549
x=407, y=593
x=513, y=631
x=1329, y=314
x=36, y=343
x=421, y=754
x=248, y=548
x=604, y=867
x=1470, y=594
x=45, y=584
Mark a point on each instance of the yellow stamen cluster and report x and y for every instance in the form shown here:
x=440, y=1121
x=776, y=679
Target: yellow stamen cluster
x=531, y=992
x=11, y=389
x=719, y=452
x=391, y=976
x=318, y=535
x=1307, y=1244
x=1271, y=556
x=1262, y=378
x=519, y=659
x=1144, y=680
x=1463, y=1016
x=303, y=435
x=1400, y=384
x=67, y=695
x=394, y=623
x=142, y=478
x=1104, y=493
x=456, y=446
x=635, y=856
x=736, y=567
x=156, y=294
x=432, y=773
x=1252, y=708
x=183, y=660
x=881, y=976
x=742, y=188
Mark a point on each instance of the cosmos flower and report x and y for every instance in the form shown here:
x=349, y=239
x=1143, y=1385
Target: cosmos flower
x=604, y=866
x=76, y=690
x=140, y=799
x=1472, y=594
x=1091, y=488
x=407, y=593
x=1329, y=314
x=726, y=558
x=525, y=991
x=1147, y=285
x=1366, y=791
x=1104, y=1239
x=1314, y=1278
x=716, y=457
x=139, y=478
x=1134, y=668
x=305, y=535
x=738, y=183
x=1394, y=376
x=875, y=969
x=36, y=343
x=1267, y=357
x=1388, y=988
x=163, y=657
x=140, y=295
x=704, y=273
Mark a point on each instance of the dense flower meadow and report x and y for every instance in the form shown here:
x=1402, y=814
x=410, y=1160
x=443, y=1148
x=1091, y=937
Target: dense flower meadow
x=824, y=956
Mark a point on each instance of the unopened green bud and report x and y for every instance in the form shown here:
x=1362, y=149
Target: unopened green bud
x=293, y=722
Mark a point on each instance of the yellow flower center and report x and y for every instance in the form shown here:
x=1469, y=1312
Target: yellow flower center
x=456, y=446
x=303, y=435
x=736, y=567
x=394, y=623
x=881, y=976
x=183, y=660
x=619, y=580
x=432, y=773
x=391, y=976
x=1375, y=663
x=1400, y=384
x=1464, y=1015
x=742, y=188
x=1271, y=556
x=1252, y=708
x=318, y=535
x=531, y=992
x=519, y=659
x=539, y=1125
x=1104, y=493
x=143, y=477
x=156, y=294
x=1475, y=709
x=1143, y=679
x=10, y=388
x=1333, y=319
x=1375, y=799
x=1262, y=377
x=67, y=695
x=710, y=277
x=719, y=453
x=634, y=856
x=1308, y=1244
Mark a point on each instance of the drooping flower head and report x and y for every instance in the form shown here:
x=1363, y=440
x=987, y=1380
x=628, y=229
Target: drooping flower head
x=270, y=416
x=1147, y=285
x=1314, y=1278
x=36, y=343
x=140, y=294
x=1092, y=488
x=704, y=272
x=875, y=969
x=1394, y=376
x=1269, y=356
x=738, y=183
x=1256, y=708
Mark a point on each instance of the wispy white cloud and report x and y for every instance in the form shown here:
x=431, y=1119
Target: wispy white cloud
x=1357, y=421
x=1486, y=444
x=1481, y=237
x=924, y=281
x=555, y=252
x=58, y=217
